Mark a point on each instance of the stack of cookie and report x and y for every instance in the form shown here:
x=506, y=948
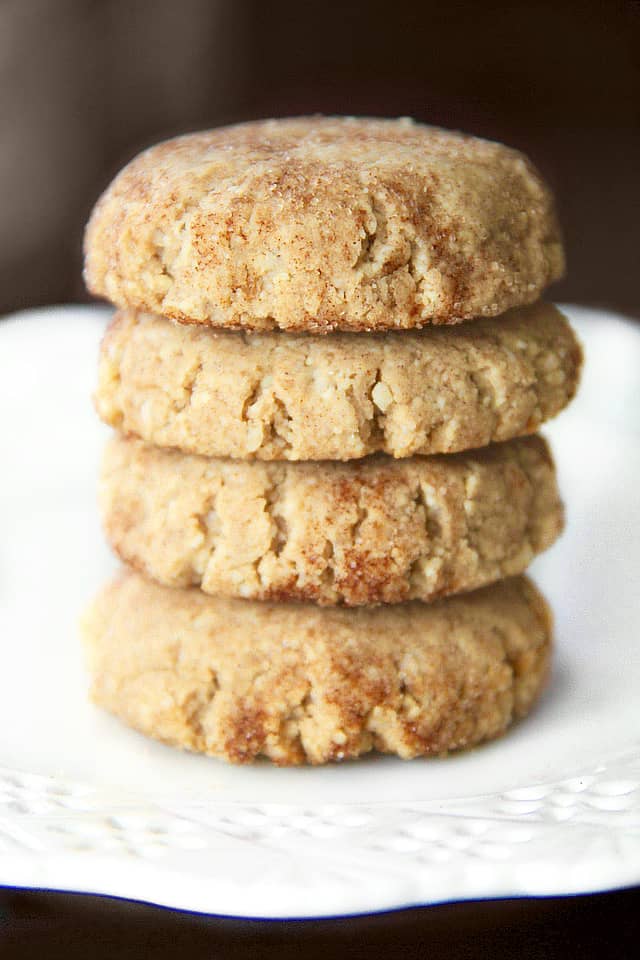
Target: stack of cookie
x=322, y=479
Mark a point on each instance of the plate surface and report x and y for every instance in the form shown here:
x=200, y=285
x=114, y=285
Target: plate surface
x=88, y=805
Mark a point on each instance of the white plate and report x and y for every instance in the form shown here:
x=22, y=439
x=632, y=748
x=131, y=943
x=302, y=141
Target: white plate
x=88, y=805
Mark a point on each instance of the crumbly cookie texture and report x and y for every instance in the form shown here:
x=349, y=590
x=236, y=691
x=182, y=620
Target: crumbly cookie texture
x=279, y=396
x=323, y=224
x=374, y=530
x=238, y=680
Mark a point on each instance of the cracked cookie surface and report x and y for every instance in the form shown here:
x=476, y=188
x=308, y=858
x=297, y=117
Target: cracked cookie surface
x=238, y=680
x=279, y=396
x=369, y=531
x=324, y=224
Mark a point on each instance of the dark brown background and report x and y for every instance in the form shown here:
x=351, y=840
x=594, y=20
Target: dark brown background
x=62, y=927
x=85, y=84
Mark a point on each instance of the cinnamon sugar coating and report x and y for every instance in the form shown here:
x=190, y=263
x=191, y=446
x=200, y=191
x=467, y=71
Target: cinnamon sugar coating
x=319, y=224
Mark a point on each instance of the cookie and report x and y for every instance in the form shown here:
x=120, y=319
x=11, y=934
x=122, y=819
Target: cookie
x=369, y=531
x=296, y=683
x=279, y=396
x=321, y=224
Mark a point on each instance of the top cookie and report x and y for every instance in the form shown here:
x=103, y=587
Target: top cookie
x=324, y=224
